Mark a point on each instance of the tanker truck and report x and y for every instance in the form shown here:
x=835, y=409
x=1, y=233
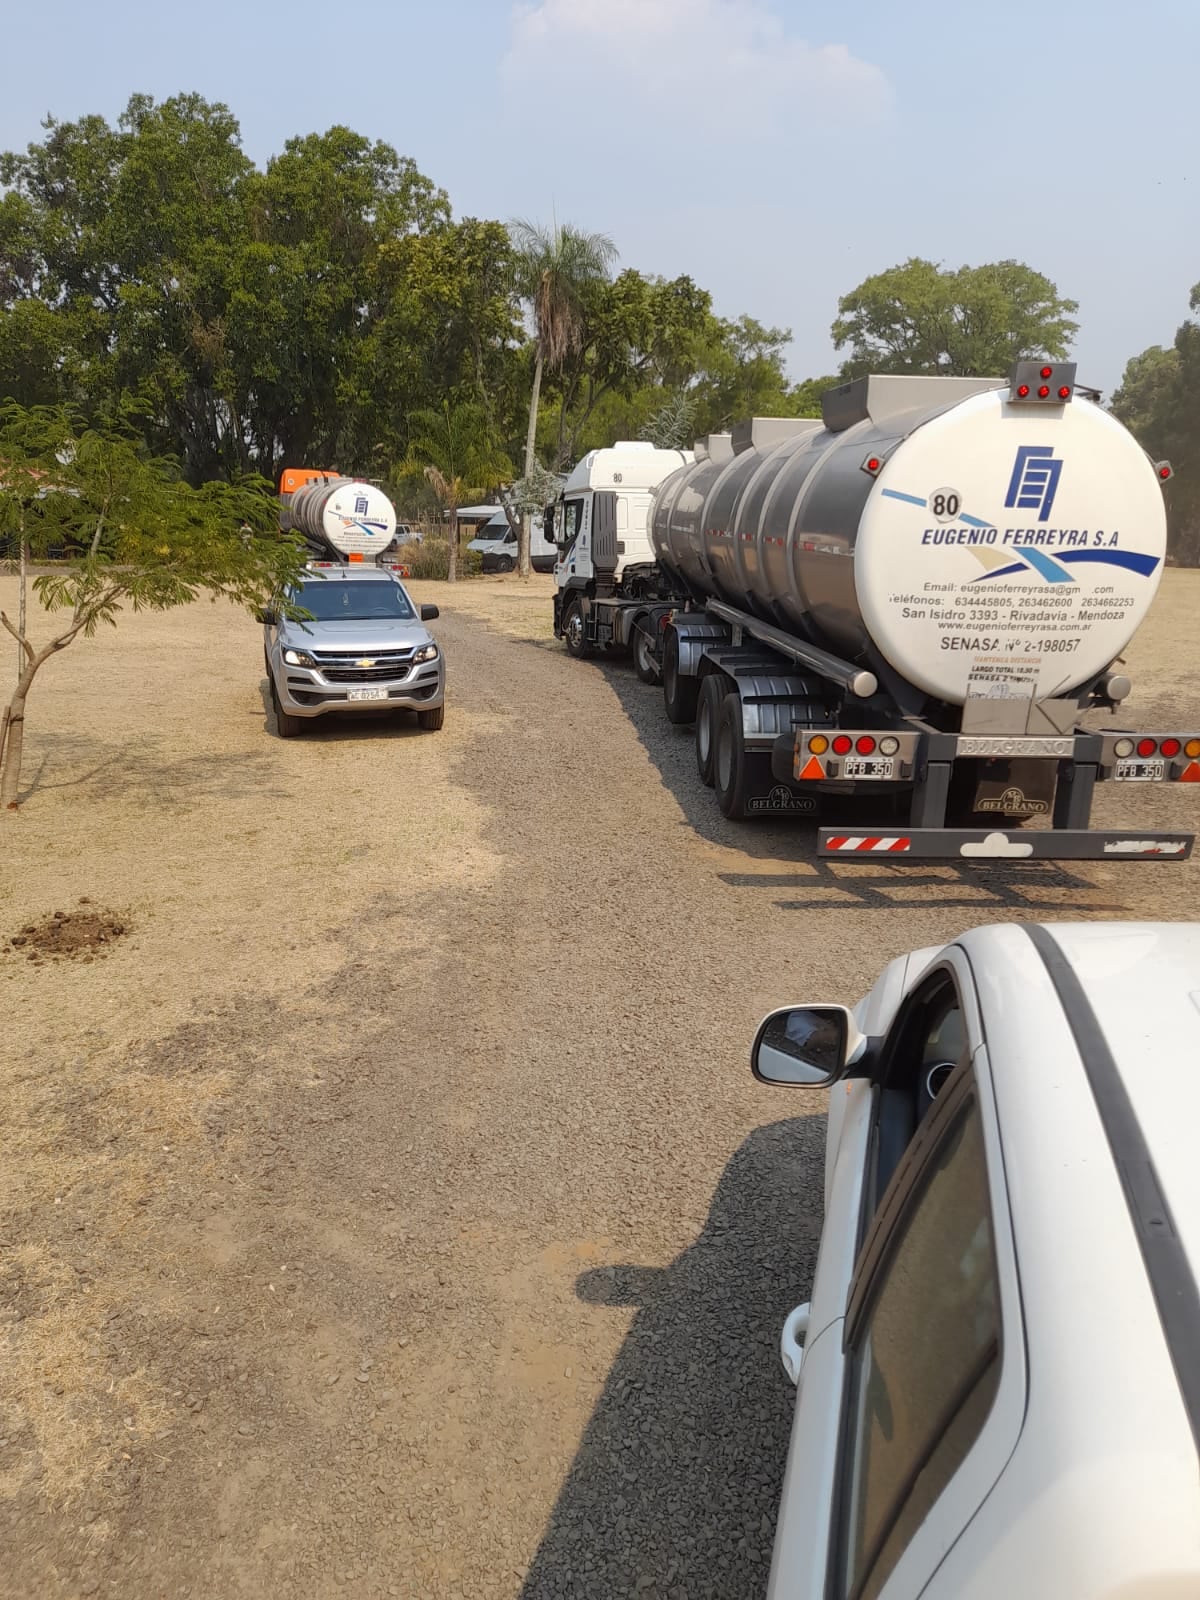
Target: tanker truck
x=905, y=609
x=340, y=519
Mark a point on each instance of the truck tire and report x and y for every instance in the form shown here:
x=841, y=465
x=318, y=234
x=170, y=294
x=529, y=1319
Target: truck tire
x=431, y=721
x=286, y=725
x=738, y=773
x=504, y=564
x=574, y=632
x=645, y=662
x=713, y=690
x=680, y=694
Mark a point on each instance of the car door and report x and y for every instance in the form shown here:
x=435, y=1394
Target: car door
x=933, y=1376
x=882, y=1152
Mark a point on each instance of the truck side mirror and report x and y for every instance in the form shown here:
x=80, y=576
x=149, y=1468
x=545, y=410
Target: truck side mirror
x=430, y=613
x=804, y=1045
x=267, y=617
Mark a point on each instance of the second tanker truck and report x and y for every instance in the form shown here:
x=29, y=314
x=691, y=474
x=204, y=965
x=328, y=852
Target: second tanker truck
x=343, y=519
x=904, y=609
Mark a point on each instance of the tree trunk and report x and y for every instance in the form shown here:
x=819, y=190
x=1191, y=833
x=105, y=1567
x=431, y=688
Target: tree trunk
x=12, y=746
x=21, y=594
x=534, y=400
x=525, y=529
x=14, y=739
x=452, y=568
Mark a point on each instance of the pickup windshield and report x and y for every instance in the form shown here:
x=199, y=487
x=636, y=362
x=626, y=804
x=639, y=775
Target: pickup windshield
x=367, y=600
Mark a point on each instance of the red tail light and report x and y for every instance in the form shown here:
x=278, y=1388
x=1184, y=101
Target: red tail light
x=842, y=745
x=866, y=745
x=1147, y=747
x=1170, y=747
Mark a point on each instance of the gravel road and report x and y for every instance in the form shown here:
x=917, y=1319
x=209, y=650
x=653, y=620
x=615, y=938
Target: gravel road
x=392, y=1211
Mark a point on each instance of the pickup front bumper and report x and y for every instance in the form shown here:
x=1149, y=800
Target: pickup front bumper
x=371, y=683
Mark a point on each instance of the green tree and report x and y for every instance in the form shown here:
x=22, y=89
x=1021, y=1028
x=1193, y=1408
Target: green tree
x=641, y=339
x=672, y=426
x=804, y=399
x=444, y=318
x=149, y=273
x=970, y=322
x=555, y=269
x=454, y=448
x=1159, y=401
x=742, y=374
x=143, y=538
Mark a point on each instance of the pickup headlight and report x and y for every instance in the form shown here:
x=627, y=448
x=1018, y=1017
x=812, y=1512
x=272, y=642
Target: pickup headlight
x=427, y=652
x=298, y=658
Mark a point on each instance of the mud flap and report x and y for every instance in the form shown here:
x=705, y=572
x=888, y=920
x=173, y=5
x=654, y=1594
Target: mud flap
x=977, y=844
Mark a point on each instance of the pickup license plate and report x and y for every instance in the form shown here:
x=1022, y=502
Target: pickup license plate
x=1141, y=771
x=366, y=694
x=868, y=767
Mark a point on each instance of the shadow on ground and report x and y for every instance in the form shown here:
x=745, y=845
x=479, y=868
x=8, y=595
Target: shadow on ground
x=342, y=727
x=675, y=1486
x=818, y=883
x=145, y=771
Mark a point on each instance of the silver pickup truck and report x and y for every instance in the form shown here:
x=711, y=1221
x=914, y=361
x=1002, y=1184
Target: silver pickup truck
x=363, y=647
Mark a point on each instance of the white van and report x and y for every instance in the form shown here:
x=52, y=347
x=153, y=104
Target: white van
x=497, y=543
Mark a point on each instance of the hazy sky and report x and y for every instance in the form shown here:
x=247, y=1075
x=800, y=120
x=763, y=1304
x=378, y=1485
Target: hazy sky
x=776, y=150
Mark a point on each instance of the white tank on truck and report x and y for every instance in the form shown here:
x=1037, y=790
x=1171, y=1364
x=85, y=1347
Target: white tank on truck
x=353, y=520
x=933, y=524
x=913, y=601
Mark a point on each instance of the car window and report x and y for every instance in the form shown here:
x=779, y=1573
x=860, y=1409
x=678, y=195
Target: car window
x=367, y=600
x=572, y=514
x=924, y=1356
x=929, y=1042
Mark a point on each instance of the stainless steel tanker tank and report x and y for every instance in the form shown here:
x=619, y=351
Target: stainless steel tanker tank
x=767, y=517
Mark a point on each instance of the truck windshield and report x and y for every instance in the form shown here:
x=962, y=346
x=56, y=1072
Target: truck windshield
x=334, y=600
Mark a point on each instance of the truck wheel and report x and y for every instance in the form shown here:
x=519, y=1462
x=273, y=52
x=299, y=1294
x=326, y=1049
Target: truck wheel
x=286, y=725
x=713, y=690
x=431, y=721
x=645, y=662
x=504, y=564
x=680, y=694
x=574, y=632
x=738, y=773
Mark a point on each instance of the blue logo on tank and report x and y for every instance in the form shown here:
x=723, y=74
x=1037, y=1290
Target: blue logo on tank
x=1034, y=481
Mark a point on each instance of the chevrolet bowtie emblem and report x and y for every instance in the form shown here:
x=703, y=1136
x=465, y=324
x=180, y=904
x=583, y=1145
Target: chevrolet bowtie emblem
x=367, y=661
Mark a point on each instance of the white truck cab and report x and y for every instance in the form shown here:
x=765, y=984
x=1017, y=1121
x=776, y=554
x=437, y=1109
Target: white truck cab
x=600, y=524
x=628, y=473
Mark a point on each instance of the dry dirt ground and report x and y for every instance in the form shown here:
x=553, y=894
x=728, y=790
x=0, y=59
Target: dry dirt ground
x=389, y=1209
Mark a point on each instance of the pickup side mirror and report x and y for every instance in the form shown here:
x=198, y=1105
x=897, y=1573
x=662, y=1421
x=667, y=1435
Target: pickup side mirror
x=430, y=613
x=804, y=1045
x=268, y=618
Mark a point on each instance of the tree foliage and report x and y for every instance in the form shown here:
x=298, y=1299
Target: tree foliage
x=455, y=450
x=139, y=536
x=318, y=310
x=968, y=322
x=1159, y=401
x=557, y=272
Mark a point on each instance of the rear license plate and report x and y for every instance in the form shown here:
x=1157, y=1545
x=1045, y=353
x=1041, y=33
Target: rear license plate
x=1141, y=771
x=366, y=694
x=867, y=767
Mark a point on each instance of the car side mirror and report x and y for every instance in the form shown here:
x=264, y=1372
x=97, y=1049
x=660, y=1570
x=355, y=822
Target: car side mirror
x=268, y=618
x=430, y=613
x=804, y=1045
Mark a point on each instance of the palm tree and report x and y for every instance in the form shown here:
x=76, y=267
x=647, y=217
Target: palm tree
x=555, y=267
x=455, y=449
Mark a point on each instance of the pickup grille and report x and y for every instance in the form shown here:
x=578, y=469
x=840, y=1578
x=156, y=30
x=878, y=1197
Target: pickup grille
x=385, y=665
